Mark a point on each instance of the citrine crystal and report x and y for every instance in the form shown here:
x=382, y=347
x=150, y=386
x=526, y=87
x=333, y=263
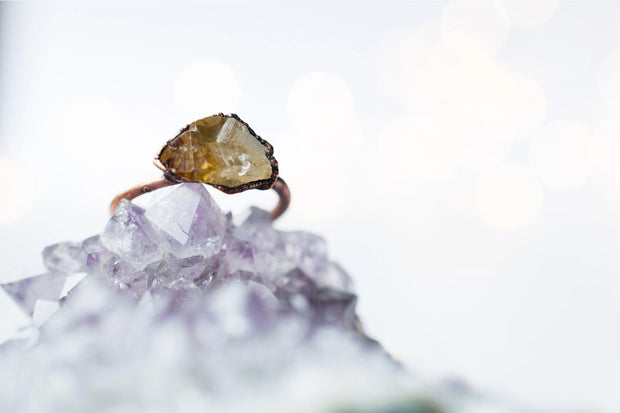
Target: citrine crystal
x=217, y=150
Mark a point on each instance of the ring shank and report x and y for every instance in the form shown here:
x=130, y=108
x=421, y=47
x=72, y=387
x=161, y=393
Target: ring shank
x=279, y=186
x=284, y=200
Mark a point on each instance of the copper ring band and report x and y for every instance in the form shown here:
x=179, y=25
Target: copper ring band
x=279, y=186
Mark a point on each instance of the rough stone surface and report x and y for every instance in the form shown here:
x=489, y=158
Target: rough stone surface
x=217, y=150
x=180, y=310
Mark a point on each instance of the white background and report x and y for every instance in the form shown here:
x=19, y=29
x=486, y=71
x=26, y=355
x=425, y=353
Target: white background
x=462, y=160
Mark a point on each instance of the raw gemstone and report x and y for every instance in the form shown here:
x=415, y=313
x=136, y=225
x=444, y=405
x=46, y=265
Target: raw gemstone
x=131, y=236
x=191, y=219
x=67, y=257
x=337, y=278
x=240, y=254
x=217, y=150
x=28, y=291
x=92, y=244
x=190, y=268
x=307, y=251
x=322, y=305
x=168, y=277
x=175, y=213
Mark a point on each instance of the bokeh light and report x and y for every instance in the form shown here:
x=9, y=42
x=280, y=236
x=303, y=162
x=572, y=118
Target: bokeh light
x=206, y=87
x=475, y=22
x=564, y=154
x=418, y=150
x=480, y=106
x=607, y=133
x=527, y=13
x=16, y=190
x=509, y=197
x=323, y=126
x=609, y=79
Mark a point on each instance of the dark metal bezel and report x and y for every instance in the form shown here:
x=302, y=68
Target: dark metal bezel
x=262, y=184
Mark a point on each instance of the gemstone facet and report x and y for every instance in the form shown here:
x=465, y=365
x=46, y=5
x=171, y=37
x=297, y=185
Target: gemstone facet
x=221, y=151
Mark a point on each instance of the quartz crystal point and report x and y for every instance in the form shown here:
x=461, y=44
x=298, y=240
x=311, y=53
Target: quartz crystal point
x=131, y=236
x=67, y=257
x=27, y=292
x=195, y=229
x=181, y=310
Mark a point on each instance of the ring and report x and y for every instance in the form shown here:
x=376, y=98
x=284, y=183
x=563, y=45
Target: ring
x=221, y=151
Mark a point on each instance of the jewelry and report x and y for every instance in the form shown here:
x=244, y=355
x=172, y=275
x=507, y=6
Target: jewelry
x=221, y=151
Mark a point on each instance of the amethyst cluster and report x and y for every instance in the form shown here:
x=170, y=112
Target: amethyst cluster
x=184, y=246
x=175, y=308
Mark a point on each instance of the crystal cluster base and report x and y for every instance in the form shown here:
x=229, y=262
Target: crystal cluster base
x=180, y=310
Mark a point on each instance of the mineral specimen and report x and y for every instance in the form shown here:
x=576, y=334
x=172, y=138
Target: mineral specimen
x=180, y=310
x=217, y=150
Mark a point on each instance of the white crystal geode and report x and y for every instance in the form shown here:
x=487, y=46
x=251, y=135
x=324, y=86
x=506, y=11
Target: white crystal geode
x=179, y=310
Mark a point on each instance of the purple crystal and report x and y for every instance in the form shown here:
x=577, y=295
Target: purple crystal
x=117, y=270
x=191, y=220
x=336, y=277
x=257, y=229
x=28, y=291
x=190, y=268
x=95, y=263
x=67, y=257
x=240, y=254
x=92, y=245
x=131, y=236
x=307, y=251
x=324, y=305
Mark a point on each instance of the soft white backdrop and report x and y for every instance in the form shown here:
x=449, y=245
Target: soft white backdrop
x=462, y=160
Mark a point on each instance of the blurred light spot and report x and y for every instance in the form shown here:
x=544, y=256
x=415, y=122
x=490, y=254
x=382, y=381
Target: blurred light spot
x=156, y=126
x=475, y=86
x=16, y=190
x=325, y=138
x=94, y=128
x=527, y=13
x=563, y=154
x=112, y=143
x=418, y=150
x=475, y=22
x=321, y=105
x=509, y=197
x=478, y=94
x=465, y=89
x=205, y=88
x=609, y=79
x=403, y=56
x=608, y=135
x=528, y=107
x=101, y=137
x=482, y=94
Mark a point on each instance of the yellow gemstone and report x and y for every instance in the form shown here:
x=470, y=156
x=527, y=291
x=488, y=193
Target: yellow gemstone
x=217, y=150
